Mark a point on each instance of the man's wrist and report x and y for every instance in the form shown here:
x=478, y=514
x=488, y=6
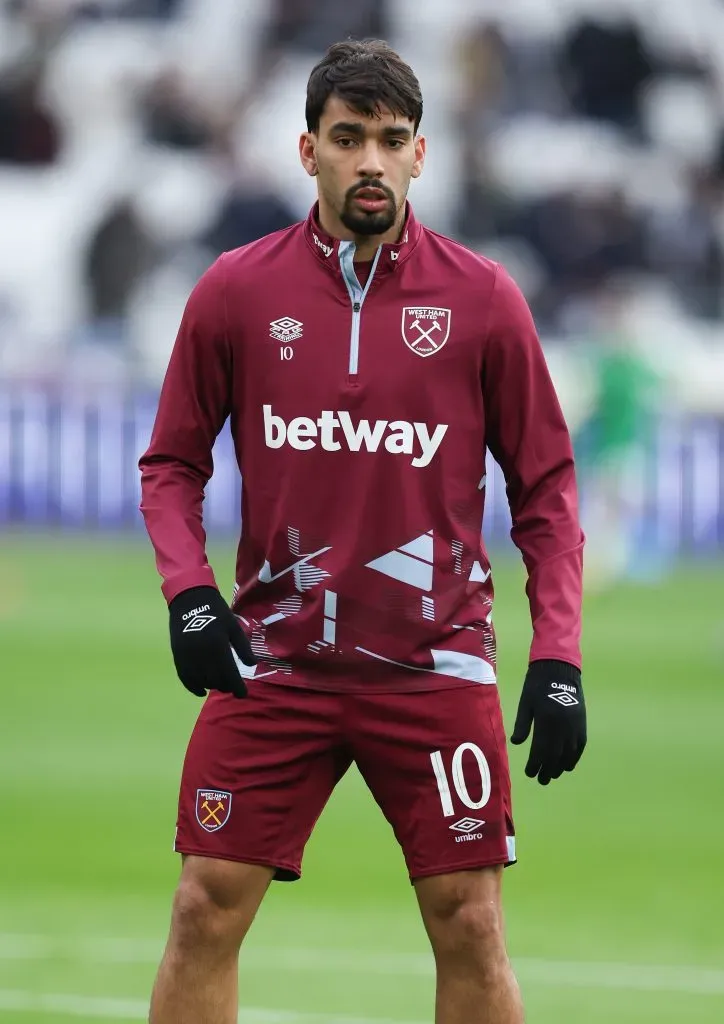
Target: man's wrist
x=194, y=595
x=201, y=576
x=550, y=668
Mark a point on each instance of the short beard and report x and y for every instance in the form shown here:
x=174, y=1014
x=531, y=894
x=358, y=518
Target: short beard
x=368, y=224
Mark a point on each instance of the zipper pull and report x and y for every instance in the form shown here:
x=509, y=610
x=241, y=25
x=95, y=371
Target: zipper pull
x=356, y=307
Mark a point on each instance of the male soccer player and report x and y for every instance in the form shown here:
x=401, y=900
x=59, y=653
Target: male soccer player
x=365, y=364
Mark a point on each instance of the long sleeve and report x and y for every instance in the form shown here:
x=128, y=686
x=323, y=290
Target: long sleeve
x=177, y=465
x=528, y=437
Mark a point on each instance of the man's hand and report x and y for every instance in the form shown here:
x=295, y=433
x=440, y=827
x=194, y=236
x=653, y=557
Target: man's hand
x=552, y=702
x=203, y=631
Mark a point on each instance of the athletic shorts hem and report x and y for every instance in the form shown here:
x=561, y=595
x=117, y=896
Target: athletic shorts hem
x=450, y=869
x=282, y=872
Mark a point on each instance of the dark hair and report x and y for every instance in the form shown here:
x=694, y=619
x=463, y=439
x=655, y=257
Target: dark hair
x=368, y=75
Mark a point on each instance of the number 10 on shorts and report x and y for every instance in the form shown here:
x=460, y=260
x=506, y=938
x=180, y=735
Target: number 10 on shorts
x=458, y=778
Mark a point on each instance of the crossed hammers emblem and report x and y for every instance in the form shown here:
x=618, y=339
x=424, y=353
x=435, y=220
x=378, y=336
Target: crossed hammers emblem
x=424, y=335
x=212, y=813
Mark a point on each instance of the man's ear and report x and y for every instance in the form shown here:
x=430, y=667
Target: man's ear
x=420, y=153
x=307, y=153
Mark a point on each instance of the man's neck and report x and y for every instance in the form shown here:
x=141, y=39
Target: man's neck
x=365, y=245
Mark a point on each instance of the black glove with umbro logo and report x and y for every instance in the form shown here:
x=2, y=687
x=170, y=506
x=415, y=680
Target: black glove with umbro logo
x=203, y=632
x=552, y=702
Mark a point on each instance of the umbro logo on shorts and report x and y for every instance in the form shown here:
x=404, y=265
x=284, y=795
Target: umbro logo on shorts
x=467, y=825
x=470, y=827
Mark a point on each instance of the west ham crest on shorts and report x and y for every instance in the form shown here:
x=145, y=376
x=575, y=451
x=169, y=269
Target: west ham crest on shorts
x=425, y=329
x=213, y=807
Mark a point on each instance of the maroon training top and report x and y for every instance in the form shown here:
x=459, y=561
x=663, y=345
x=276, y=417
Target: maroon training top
x=361, y=414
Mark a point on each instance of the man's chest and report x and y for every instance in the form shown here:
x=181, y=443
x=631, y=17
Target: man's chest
x=399, y=349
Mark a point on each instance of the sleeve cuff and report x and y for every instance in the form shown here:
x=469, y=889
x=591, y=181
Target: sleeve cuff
x=569, y=653
x=203, y=576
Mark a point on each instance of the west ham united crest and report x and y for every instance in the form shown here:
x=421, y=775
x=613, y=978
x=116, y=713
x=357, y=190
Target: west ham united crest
x=213, y=807
x=425, y=329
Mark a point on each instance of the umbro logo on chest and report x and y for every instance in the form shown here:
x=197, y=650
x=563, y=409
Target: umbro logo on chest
x=285, y=330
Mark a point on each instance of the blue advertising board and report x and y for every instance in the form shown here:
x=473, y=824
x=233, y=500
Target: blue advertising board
x=69, y=458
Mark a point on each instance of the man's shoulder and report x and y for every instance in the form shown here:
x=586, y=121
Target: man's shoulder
x=243, y=270
x=259, y=254
x=458, y=257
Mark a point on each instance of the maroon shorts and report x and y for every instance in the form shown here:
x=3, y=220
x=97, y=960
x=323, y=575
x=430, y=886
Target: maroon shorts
x=259, y=771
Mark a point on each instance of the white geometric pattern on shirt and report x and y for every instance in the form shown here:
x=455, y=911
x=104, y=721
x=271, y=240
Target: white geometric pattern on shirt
x=305, y=577
x=412, y=563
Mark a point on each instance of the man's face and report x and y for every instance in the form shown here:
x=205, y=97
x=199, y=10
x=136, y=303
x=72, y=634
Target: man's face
x=363, y=165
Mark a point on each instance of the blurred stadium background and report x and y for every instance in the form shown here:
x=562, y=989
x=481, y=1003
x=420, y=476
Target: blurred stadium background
x=581, y=142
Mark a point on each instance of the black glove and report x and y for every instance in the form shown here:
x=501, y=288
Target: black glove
x=203, y=631
x=552, y=702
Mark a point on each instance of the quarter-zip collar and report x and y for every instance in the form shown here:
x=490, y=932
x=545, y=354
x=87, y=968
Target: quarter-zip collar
x=390, y=255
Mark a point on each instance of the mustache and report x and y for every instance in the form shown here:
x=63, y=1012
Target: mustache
x=370, y=183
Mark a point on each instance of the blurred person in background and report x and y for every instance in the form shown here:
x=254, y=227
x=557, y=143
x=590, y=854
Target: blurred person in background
x=309, y=27
x=251, y=207
x=580, y=237
x=605, y=68
x=613, y=446
x=173, y=115
x=503, y=73
x=161, y=9
x=484, y=207
x=152, y=9
x=687, y=245
x=30, y=135
x=718, y=162
x=121, y=253
x=360, y=628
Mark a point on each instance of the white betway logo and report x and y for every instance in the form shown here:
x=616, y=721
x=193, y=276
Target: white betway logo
x=400, y=436
x=326, y=249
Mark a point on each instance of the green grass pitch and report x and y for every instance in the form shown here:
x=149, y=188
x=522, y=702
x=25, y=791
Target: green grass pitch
x=614, y=911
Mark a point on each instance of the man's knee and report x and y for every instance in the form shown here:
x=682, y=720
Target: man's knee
x=197, y=917
x=215, y=903
x=469, y=929
x=465, y=921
